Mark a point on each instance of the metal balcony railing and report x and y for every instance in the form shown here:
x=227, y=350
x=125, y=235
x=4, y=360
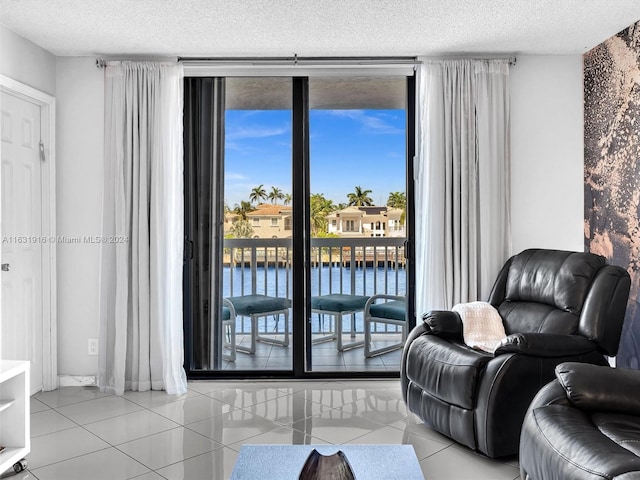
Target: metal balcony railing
x=357, y=266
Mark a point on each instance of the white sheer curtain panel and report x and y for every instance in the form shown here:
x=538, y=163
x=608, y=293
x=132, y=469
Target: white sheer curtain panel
x=462, y=178
x=141, y=336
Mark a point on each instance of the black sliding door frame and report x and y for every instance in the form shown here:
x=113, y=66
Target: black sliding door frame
x=410, y=246
x=301, y=229
x=204, y=198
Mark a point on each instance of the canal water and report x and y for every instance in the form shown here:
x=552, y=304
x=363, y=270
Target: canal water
x=276, y=281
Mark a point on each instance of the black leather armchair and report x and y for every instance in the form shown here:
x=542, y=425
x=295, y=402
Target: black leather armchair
x=583, y=425
x=556, y=306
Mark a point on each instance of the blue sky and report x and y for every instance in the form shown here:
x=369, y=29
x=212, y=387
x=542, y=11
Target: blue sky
x=348, y=148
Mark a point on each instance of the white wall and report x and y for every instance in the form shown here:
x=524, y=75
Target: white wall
x=547, y=138
x=80, y=125
x=547, y=170
x=26, y=62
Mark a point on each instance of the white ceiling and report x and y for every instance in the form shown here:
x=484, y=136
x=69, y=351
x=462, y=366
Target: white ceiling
x=283, y=28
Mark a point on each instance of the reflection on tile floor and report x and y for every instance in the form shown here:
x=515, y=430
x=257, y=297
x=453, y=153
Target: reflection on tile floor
x=78, y=433
x=325, y=356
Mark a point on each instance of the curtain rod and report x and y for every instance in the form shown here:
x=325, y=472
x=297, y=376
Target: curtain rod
x=291, y=61
x=309, y=61
x=306, y=61
x=102, y=63
x=512, y=60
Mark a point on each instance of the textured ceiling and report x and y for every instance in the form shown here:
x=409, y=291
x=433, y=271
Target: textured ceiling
x=316, y=27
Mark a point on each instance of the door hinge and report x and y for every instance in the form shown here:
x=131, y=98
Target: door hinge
x=42, y=157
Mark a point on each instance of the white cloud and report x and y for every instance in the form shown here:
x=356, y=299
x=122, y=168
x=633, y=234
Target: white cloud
x=238, y=147
x=234, y=176
x=235, y=133
x=369, y=123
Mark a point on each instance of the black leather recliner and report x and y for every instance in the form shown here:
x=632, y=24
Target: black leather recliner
x=585, y=425
x=556, y=306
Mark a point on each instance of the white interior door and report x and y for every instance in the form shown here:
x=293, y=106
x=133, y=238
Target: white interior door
x=21, y=230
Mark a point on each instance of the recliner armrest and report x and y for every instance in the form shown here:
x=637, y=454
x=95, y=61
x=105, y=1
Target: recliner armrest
x=598, y=388
x=545, y=345
x=444, y=323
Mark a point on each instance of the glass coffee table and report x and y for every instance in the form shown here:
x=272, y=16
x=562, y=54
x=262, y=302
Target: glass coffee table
x=284, y=462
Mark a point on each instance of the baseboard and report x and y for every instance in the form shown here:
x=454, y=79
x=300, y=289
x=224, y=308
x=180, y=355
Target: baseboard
x=76, y=380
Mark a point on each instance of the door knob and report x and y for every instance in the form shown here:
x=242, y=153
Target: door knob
x=5, y=267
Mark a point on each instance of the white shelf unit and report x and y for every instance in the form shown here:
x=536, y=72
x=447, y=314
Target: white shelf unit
x=14, y=412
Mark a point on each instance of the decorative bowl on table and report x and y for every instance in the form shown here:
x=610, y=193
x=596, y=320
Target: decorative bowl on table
x=326, y=467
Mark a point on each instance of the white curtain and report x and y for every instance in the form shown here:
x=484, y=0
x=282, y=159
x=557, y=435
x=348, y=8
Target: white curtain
x=141, y=339
x=462, y=178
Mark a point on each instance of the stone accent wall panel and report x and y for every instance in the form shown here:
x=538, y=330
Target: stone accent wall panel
x=612, y=167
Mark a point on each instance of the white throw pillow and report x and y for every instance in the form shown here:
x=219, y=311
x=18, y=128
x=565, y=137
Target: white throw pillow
x=482, y=326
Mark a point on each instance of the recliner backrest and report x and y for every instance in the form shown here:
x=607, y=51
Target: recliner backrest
x=557, y=278
x=544, y=291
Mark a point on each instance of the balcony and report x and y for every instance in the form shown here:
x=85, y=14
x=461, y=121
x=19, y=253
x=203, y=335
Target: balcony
x=357, y=266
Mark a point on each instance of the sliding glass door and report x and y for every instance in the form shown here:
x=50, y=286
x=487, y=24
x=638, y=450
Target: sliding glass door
x=295, y=193
x=258, y=253
x=358, y=217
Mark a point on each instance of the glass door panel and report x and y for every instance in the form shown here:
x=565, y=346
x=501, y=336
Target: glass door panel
x=357, y=215
x=257, y=258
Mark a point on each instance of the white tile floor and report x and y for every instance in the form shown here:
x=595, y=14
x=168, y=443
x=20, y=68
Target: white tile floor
x=325, y=356
x=79, y=433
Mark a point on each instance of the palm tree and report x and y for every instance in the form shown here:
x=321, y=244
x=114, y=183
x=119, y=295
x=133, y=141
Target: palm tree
x=275, y=194
x=287, y=198
x=241, y=229
x=320, y=207
x=258, y=193
x=398, y=200
x=242, y=209
x=360, y=198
